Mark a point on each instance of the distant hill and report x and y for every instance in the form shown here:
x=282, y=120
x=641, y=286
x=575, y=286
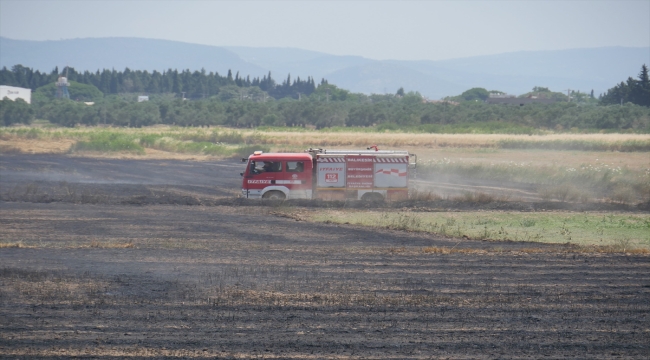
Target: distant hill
x=119, y=53
x=516, y=73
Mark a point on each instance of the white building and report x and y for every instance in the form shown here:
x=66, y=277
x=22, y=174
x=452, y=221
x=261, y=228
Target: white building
x=14, y=93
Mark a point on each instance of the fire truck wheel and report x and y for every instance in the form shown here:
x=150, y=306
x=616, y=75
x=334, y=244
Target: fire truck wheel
x=274, y=195
x=372, y=197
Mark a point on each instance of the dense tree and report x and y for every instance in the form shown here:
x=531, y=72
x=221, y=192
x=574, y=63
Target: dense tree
x=15, y=112
x=365, y=115
x=386, y=114
x=641, y=93
x=194, y=85
x=634, y=91
x=78, y=91
x=70, y=113
x=475, y=94
x=239, y=101
x=545, y=93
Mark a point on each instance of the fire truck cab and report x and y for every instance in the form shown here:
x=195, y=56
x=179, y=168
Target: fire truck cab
x=278, y=176
x=329, y=175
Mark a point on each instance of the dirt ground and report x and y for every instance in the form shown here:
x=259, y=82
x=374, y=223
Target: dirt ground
x=152, y=259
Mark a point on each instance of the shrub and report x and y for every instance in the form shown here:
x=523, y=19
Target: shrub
x=109, y=142
x=231, y=137
x=15, y=112
x=623, y=195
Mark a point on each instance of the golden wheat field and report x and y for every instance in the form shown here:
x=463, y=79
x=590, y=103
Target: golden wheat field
x=429, y=140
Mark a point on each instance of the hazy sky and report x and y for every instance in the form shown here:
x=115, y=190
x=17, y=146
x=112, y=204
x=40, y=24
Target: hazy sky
x=404, y=30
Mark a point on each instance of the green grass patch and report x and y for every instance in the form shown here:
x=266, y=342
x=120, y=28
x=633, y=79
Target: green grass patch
x=180, y=144
x=619, y=232
x=246, y=150
x=107, y=141
x=489, y=127
x=580, y=145
x=229, y=143
x=294, y=129
x=214, y=136
x=23, y=132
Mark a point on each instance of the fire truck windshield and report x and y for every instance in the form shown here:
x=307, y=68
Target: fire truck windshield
x=258, y=167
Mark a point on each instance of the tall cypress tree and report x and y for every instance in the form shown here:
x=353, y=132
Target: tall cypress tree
x=114, y=83
x=643, y=89
x=176, y=83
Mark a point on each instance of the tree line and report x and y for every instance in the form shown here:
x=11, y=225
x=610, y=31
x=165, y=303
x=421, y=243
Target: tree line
x=326, y=106
x=187, y=84
x=387, y=112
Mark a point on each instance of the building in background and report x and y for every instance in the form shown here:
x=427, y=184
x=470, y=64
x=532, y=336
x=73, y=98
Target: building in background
x=513, y=100
x=14, y=93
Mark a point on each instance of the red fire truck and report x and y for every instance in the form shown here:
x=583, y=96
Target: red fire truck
x=370, y=174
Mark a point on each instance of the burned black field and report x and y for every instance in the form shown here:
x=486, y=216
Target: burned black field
x=99, y=269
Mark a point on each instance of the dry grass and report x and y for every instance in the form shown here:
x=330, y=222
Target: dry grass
x=72, y=243
x=396, y=139
x=140, y=352
x=55, y=140
x=9, y=149
x=102, y=245
x=534, y=158
x=538, y=250
x=149, y=154
x=569, y=193
x=452, y=250
x=17, y=145
x=477, y=197
x=592, y=232
x=16, y=245
x=468, y=149
x=423, y=195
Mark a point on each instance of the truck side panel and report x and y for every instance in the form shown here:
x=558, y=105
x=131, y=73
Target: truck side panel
x=341, y=177
x=330, y=172
x=391, y=175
